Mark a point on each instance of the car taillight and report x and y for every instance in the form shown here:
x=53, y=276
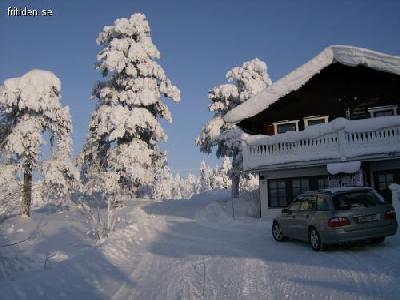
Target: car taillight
x=390, y=215
x=338, y=222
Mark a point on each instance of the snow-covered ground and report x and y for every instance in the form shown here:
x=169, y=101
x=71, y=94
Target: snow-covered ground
x=184, y=249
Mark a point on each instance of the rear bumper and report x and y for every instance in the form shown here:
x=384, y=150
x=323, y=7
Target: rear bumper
x=340, y=235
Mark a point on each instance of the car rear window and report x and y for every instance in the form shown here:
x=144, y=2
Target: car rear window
x=356, y=199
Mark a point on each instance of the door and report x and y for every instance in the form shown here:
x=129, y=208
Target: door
x=383, y=179
x=302, y=220
x=288, y=219
x=264, y=196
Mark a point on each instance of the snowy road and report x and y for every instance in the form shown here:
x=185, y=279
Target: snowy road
x=188, y=249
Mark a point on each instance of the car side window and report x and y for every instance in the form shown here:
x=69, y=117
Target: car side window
x=322, y=203
x=307, y=203
x=304, y=205
x=295, y=205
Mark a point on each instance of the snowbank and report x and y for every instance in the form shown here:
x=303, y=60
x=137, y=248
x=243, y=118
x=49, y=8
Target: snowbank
x=345, y=167
x=347, y=55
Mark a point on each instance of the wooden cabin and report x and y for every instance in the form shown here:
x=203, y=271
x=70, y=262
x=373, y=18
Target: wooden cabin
x=332, y=122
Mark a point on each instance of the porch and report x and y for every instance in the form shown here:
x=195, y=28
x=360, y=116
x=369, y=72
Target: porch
x=336, y=141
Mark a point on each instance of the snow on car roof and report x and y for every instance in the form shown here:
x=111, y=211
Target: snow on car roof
x=341, y=189
x=346, y=55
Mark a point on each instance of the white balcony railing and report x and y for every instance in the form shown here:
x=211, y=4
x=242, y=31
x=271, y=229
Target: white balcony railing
x=339, y=140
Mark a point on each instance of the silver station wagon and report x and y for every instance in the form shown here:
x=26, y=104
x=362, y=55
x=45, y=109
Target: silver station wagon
x=336, y=215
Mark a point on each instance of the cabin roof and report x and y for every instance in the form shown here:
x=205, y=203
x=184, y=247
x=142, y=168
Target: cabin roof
x=346, y=55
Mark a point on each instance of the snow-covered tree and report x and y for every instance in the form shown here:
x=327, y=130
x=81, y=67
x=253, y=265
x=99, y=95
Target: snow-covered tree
x=222, y=179
x=176, y=192
x=60, y=177
x=29, y=106
x=163, y=181
x=189, y=186
x=124, y=131
x=206, y=174
x=244, y=82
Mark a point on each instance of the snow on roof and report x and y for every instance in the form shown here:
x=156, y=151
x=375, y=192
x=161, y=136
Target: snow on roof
x=349, y=167
x=347, y=55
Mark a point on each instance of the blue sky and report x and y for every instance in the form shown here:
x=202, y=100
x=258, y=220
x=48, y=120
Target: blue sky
x=198, y=40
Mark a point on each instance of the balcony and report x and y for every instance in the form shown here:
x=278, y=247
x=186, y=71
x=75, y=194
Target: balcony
x=339, y=140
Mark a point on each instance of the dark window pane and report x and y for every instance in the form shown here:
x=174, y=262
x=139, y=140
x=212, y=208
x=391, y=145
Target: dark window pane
x=322, y=183
x=274, y=200
x=278, y=193
x=315, y=122
x=347, y=201
x=299, y=186
x=282, y=128
x=389, y=179
x=383, y=113
x=322, y=203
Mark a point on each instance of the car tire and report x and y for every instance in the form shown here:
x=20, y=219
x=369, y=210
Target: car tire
x=378, y=240
x=315, y=239
x=277, y=232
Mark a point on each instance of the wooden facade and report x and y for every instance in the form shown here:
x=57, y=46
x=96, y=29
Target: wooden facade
x=337, y=91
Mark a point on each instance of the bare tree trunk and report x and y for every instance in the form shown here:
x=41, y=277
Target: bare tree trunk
x=27, y=194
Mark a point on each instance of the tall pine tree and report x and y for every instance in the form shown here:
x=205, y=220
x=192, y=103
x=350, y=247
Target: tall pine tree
x=124, y=131
x=29, y=106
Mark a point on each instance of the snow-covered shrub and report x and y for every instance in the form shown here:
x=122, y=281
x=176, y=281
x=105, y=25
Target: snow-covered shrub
x=244, y=82
x=29, y=106
x=249, y=182
x=60, y=179
x=249, y=204
x=10, y=191
x=124, y=131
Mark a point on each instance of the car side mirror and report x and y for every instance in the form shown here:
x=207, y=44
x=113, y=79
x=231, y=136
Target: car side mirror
x=286, y=211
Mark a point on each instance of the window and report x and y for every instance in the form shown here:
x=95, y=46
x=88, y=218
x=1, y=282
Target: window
x=278, y=193
x=322, y=203
x=322, y=183
x=383, y=111
x=384, y=180
x=282, y=191
x=309, y=121
x=347, y=201
x=299, y=186
x=284, y=126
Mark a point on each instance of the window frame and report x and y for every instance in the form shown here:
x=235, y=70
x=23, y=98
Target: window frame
x=312, y=182
x=314, y=118
x=277, y=124
x=373, y=110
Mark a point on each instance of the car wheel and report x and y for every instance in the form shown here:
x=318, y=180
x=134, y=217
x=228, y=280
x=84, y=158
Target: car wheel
x=315, y=240
x=277, y=232
x=378, y=240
